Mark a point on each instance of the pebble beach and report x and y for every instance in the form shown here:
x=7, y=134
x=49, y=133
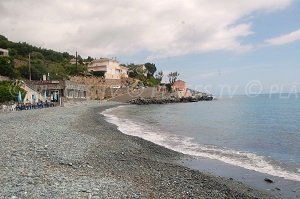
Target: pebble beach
x=72, y=152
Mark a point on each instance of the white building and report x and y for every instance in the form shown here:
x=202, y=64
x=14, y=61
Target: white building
x=110, y=68
x=4, y=52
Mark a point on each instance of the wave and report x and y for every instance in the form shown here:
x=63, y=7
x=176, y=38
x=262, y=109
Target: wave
x=186, y=145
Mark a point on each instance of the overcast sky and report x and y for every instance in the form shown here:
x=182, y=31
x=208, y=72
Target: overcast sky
x=211, y=43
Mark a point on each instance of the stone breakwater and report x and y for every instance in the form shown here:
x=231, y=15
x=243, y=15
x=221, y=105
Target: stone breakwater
x=168, y=100
x=72, y=152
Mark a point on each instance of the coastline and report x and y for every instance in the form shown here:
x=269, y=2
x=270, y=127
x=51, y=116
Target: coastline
x=73, y=152
x=282, y=187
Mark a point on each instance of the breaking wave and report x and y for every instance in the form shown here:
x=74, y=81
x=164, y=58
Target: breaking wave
x=186, y=145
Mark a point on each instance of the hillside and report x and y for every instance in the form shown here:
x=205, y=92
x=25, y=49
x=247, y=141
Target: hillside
x=42, y=61
x=57, y=64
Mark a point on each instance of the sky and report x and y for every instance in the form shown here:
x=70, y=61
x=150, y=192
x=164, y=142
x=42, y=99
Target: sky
x=222, y=47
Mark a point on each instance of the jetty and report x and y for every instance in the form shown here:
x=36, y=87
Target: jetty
x=151, y=95
x=168, y=100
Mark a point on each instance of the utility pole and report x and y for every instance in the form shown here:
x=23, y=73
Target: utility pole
x=76, y=59
x=29, y=68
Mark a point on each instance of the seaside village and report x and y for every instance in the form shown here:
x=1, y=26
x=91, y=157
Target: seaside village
x=102, y=79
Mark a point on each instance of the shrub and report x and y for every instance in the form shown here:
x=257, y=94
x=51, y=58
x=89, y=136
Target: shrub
x=6, y=66
x=9, y=91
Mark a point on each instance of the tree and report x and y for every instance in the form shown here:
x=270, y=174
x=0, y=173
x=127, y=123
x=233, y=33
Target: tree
x=57, y=71
x=12, y=52
x=9, y=91
x=75, y=70
x=37, y=55
x=151, y=68
x=3, y=42
x=89, y=59
x=159, y=76
x=24, y=71
x=79, y=59
x=66, y=55
x=173, y=77
x=37, y=71
x=136, y=71
x=151, y=81
x=7, y=66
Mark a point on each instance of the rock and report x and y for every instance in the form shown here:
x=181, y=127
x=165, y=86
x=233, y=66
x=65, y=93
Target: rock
x=167, y=99
x=268, y=180
x=88, y=166
x=75, y=167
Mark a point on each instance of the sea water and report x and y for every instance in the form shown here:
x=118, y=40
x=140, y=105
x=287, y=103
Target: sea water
x=259, y=133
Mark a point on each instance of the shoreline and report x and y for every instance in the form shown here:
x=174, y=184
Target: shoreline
x=281, y=187
x=73, y=152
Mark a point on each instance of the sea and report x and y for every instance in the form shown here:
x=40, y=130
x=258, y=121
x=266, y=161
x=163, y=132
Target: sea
x=260, y=134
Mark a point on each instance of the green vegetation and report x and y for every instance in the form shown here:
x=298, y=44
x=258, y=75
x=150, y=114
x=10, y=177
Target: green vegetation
x=58, y=66
x=9, y=91
x=151, y=69
x=159, y=76
x=7, y=67
x=42, y=61
x=173, y=77
x=145, y=73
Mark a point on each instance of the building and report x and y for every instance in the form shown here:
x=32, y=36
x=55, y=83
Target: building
x=56, y=90
x=4, y=52
x=179, y=85
x=73, y=61
x=110, y=68
x=181, y=89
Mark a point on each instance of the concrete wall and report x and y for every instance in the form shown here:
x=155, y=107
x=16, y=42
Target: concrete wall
x=30, y=92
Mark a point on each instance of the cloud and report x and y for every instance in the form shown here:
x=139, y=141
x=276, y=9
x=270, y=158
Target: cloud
x=124, y=27
x=284, y=39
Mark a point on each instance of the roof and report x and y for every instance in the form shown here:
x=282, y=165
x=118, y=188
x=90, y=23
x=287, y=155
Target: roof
x=179, y=82
x=123, y=67
x=103, y=60
x=3, y=50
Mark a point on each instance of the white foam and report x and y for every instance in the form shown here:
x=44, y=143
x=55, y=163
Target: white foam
x=186, y=145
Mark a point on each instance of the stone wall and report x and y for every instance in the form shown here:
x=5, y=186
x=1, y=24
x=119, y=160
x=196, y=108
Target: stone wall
x=100, y=88
x=75, y=90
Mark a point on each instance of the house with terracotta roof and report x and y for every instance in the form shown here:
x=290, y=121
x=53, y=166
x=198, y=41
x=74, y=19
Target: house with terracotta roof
x=180, y=88
x=110, y=68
